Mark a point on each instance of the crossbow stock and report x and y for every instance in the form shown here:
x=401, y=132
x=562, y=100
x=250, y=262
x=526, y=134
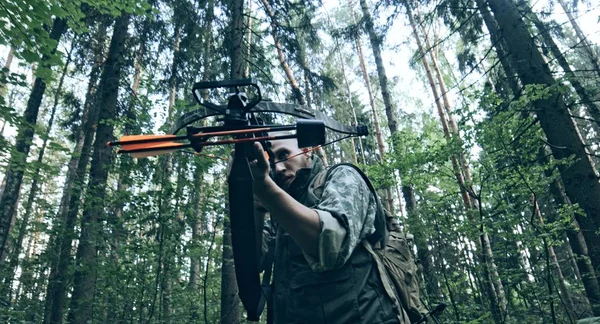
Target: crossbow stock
x=241, y=123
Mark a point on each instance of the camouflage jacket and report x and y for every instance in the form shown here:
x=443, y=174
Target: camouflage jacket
x=341, y=284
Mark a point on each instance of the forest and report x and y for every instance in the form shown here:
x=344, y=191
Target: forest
x=484, y=121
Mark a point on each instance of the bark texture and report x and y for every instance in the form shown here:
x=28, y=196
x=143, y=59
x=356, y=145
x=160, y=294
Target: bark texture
x=18, y=159
x=579, y=177
x=84, y=282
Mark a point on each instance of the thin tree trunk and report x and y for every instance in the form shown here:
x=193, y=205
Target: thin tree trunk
x=66, y=216
x=166, y=260
x=7, y=64
x=390, y=110
x=592, y=55
x=207, y=271
x=571, y=257
x=579, y=177
x=562, y=286
x=18, y=159
x=84, y=282
x=380, y=145
x=580, y=249
x=35, y=183
x=286, y=68
x=450, y=114
x=196, y=225
x=230, y=310
x=493, y=286
x=592, y=106
x=363, y=68
x=197, y=220
x=444, y=274
x=432, y=284
x=349, y=97
x=248, y=40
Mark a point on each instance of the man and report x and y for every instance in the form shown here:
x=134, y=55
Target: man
x=322, y=272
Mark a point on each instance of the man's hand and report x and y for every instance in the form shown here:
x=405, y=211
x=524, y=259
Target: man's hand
x=260, y=171
x=260, y=166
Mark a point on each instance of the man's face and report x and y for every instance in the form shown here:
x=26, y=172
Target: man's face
x=285, y=172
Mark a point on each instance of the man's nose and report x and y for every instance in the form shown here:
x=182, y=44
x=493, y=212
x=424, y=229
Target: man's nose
x=279, y=167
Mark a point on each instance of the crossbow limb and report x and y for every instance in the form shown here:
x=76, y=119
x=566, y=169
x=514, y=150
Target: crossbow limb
x=241, y=124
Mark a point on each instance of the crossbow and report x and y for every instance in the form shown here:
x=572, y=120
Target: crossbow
x=240, y=126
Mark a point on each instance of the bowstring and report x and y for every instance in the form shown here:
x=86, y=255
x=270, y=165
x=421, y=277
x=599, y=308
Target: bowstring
x=310, y=149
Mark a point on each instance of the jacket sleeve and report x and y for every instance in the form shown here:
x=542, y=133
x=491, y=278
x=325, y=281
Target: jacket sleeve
x=346, y=212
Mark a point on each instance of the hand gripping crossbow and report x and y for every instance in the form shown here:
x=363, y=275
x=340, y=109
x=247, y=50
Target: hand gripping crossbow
x=243, y=127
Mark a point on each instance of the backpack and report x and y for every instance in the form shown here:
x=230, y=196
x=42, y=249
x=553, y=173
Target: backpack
x=391, y=251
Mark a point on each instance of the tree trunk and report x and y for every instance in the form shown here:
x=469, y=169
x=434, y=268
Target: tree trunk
x=562, y=286
x=592, y=105
x=592, y=55
x=35, y=183
x=196, y=225
x=236, y=48
x=495, y=290
x=363, y=68
x=432, y=284
x=286, y=68
x=84, y=282
x=66, y=216
x=579, y=177
x=230, y=309
x=248, y=40
x=7, y=64
x=390, y=110
x=122, y=194
x=580, y=249
x=230, y=301
x=18, y=159
x=165, y=207
x=500, y=46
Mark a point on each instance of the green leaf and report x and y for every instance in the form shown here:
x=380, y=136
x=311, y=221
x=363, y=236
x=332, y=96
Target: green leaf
x=58, y=11
x=30, y=57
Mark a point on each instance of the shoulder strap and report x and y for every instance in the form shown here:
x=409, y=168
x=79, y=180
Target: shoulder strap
x=381, y=232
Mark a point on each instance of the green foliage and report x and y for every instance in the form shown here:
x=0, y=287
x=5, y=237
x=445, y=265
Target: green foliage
x=163, y=217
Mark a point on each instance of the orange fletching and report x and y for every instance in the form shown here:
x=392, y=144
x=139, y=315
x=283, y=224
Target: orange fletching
x=128, y=138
